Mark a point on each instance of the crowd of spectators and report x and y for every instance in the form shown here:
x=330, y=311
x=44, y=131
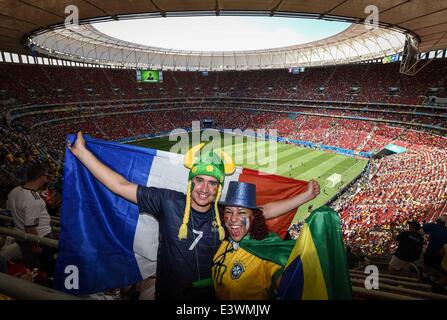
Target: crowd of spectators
x=103, y=103
x=26, y=84
x=132, y=119
x=17, y=152
x=407, y=186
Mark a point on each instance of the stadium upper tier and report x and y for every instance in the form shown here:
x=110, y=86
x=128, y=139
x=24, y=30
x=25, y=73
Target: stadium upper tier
x=425, y=21
x=369, y=83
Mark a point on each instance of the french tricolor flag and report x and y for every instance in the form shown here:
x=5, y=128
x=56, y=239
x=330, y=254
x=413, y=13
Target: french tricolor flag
x=104, y=237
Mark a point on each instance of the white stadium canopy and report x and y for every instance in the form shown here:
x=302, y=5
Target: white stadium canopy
x=422, y=22
x=87, y=44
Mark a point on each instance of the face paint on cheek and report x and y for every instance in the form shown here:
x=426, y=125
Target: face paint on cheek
x=246, y=222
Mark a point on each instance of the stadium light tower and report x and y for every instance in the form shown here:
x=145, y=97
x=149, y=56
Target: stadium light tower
x=410, y=64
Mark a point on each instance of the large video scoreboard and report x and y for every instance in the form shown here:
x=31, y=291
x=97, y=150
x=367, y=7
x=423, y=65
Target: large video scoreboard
x=149, y=76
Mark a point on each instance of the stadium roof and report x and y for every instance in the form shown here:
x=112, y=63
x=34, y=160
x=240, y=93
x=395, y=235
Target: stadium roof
x=425, y=20
x=87, y=44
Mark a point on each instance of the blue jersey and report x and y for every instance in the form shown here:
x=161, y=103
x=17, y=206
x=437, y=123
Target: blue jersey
x=179, y=262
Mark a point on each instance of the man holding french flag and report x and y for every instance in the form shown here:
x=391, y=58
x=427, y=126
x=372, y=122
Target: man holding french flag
x=151, y=215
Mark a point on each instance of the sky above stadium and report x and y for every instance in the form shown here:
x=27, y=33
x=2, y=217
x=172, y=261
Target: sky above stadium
x=221, y=33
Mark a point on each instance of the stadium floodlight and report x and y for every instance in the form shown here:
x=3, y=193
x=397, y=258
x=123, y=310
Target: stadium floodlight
x=410, y=64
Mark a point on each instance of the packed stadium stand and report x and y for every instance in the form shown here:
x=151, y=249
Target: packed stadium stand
x=25, y=84
x=359, y=105
x=369, y=103
x=109, y=104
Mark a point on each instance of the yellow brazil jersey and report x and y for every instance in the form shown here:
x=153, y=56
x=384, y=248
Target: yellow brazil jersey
x=239, y=275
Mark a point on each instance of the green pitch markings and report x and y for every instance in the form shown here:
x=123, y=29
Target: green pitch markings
x=348, y=168
x=322, y=163
x=291, y=161
x=294, y=160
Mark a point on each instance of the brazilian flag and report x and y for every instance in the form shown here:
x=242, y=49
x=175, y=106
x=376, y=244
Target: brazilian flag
x=317, y=267
x=315, y=264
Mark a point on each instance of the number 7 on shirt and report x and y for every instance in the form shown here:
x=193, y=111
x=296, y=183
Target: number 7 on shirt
x=200, y=235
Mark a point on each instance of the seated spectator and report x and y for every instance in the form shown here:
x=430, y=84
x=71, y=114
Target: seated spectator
x=355, y=257
x=437, y=233
x=409, y=249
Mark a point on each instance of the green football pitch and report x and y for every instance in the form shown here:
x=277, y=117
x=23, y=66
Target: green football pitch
x=282, y=159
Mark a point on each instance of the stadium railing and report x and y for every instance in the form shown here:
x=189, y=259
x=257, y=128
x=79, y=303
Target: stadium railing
x=24, y=290
x=27, y=237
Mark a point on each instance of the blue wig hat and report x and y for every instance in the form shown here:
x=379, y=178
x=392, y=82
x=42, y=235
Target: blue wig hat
x=241, y=194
